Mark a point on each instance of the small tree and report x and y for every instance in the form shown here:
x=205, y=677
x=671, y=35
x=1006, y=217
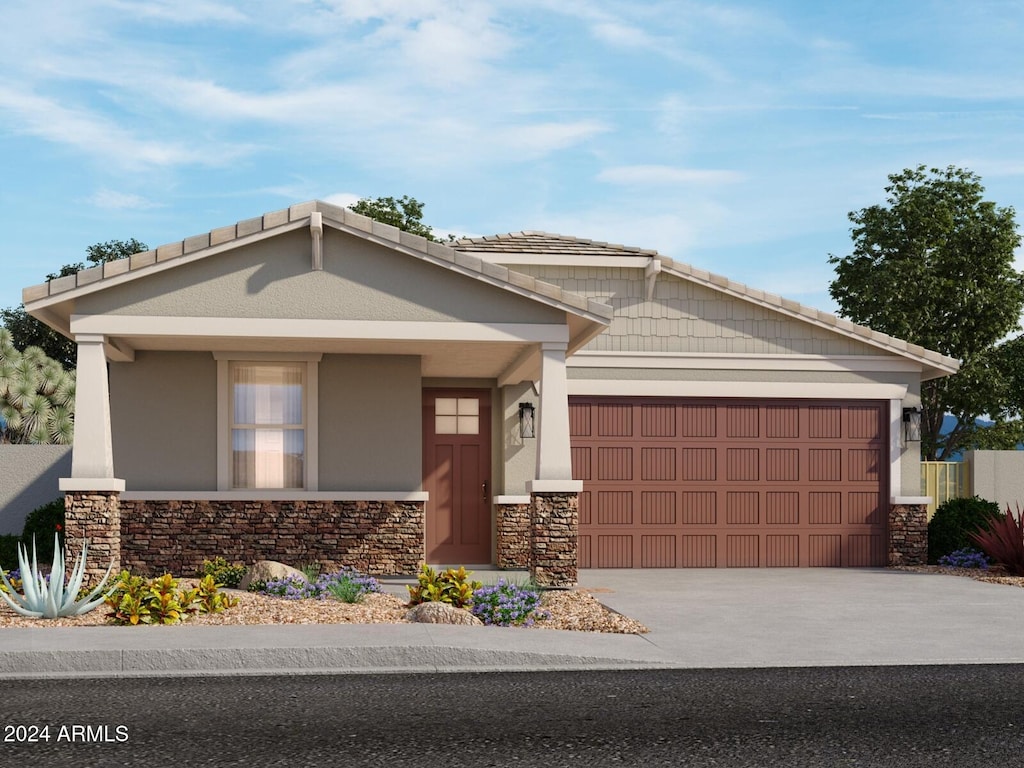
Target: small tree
x=37, y=396
x=406, y=213
x=935, y=267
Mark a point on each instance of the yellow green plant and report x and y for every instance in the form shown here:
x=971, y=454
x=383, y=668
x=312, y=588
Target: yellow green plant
x=451, y=586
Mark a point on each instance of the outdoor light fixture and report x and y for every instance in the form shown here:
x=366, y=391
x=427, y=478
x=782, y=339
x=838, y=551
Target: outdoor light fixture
x=911, y=424
x=526, y=428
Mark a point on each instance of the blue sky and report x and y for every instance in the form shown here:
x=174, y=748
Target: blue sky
x=734, y=136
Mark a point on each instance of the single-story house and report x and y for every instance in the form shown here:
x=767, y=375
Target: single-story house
x=313, y=385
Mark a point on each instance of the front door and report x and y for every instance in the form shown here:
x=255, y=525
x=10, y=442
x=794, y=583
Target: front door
x=457, y=475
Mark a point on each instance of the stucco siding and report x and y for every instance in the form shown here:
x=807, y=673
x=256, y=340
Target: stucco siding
x=370, y=423
x=163, y=415
x=273, y=278
x=685, y=317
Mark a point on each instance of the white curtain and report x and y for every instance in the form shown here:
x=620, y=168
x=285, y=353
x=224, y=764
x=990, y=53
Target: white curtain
x=267, y=435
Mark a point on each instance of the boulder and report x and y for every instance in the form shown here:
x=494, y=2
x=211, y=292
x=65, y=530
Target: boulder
x=441, y=613
x=266, y=570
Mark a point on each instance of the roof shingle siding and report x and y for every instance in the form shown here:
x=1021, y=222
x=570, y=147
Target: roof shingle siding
x=685, y=317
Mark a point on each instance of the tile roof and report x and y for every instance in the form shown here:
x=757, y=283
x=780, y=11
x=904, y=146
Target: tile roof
x=553, y=245
x=547, y=244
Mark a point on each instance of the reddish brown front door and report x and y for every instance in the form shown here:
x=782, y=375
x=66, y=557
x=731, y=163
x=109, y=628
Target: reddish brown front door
x=457, y=475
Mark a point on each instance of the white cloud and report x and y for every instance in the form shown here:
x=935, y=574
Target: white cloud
x=111, y=199
x=178, y=11
x=666, y=174
x=101, y=137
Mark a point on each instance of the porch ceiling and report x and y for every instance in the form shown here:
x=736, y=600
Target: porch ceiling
x=481, y=359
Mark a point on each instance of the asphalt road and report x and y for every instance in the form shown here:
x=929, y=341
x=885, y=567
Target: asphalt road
x=867, y=716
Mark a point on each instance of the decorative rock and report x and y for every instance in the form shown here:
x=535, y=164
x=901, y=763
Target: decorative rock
x=267, y=570
x=441, y=613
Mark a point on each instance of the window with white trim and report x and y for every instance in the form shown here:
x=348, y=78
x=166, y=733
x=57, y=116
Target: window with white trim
x=268, y=425
x=267, y=411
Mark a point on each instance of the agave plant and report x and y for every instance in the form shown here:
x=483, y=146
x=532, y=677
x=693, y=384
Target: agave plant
x=50, y=598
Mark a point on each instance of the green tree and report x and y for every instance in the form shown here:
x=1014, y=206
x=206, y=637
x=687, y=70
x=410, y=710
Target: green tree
x=37, y=396
x=26, y=331
x=935, y=267
x=406, y=213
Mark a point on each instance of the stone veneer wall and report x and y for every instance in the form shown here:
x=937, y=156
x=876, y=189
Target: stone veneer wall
x=908, y=534
x=513, y=536
x=554, y=538
x=377, y=537
x=96, y=516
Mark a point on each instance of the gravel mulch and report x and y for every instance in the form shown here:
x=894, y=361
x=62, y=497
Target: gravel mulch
x=993, y=575
x=570, y=610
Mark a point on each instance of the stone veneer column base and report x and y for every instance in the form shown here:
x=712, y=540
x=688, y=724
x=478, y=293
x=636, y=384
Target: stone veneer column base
x=513, y=536
x=554, y=538
x=908, y=534
x=375, y=537
x=95, y=516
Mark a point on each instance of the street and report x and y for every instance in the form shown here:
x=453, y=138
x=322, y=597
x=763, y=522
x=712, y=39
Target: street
x=853, y=716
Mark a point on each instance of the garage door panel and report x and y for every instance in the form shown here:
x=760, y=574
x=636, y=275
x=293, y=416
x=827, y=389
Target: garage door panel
x=614, y=463
x=698, y=507
x=698, y=420
x=658, y=552
x=824, y=508
x=658, y=420
x=698, y=551
x=782, y=551
x=782, y=508
x=742, y=464
x=742, y=551
x=782, y=421
x=782, y=464
x=800, y=483
x=742, y=421
x=615, y=420
x=615, y=508
x=742, y=508
x=615, y=551
x=824, y=465
x=825, y=550
x=658, y=508
x=658, y=464
x=699, y=464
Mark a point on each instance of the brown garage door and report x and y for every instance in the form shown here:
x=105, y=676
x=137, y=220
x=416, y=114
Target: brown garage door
x=688, y=483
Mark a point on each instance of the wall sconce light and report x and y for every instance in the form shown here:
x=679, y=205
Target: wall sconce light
x=526, y=428
x=911, y=424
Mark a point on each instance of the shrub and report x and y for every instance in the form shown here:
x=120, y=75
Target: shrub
x=9, y=551
x=345, y=583
x=505, y=604
x=40, y=525
x=968, y=557
x=953, y=523
x=451, y=586
x=1004, y=541
x=136, y=600
x=224, y=573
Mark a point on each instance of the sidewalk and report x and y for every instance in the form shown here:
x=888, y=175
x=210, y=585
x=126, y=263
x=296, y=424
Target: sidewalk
x=698, y=618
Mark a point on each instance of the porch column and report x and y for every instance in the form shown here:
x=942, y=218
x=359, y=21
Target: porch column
x=92, y=493
x=554, y=495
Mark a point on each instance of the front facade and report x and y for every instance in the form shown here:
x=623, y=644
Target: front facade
x=313, y=385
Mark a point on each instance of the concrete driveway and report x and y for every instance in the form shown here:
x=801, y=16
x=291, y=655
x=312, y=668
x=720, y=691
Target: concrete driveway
x=816, y=616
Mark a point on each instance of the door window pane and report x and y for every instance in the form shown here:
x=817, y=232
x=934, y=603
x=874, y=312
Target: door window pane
x=457, y=416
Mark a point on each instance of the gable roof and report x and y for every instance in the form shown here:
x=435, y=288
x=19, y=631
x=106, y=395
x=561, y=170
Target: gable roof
x=42, y=299
x=557, y=249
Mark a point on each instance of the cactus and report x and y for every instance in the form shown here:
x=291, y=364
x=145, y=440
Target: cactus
x=37, y=396
x=50, y=598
